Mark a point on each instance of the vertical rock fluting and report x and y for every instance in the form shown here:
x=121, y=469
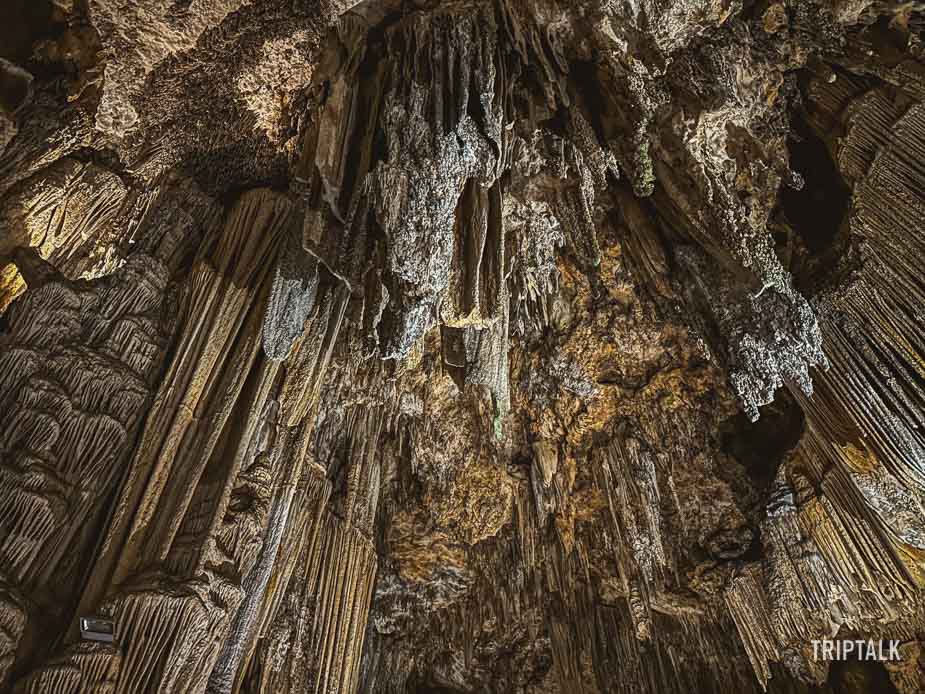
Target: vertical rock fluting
x=461, y=346
x=169, y=561
x=82, y=360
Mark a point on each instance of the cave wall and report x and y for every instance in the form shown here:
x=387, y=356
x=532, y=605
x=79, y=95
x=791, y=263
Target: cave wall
x=462, y=345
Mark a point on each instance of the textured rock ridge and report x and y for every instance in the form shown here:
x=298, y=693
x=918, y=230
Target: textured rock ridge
x=461, y=345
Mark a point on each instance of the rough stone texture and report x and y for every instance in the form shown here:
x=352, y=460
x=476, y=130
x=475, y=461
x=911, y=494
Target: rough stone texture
x=139, y=37
x=461, y=345
x=15, y=92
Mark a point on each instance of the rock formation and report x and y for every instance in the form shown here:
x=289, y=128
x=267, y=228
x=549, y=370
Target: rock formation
x=521, y=346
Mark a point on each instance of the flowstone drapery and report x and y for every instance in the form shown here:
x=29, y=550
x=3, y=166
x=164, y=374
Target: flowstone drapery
x=461, y=345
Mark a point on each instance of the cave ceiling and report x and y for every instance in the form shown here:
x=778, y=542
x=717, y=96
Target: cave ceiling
x=463, y=346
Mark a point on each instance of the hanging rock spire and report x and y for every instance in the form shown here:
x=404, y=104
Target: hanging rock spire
x=461, y=346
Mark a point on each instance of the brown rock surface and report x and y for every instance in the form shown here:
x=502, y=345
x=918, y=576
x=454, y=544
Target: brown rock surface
x=461, y=345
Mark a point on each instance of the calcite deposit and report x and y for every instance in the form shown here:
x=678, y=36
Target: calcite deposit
x=461, y=346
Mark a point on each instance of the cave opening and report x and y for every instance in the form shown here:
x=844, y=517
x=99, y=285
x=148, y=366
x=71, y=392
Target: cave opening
x=818, y=209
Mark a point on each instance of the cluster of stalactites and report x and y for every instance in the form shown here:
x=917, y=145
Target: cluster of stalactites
x=221, y=482
x=844, y=534
x=436, y=200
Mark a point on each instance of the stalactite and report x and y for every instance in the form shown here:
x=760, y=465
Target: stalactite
x=190, y=546
x=90, y=669
x=460, y=346
x=292, y=298
x=782, y=340
x=13, y=615
x=315, y=641
x=633, y=497
x=345, y=584
x=861, y=448
x=76, y=396
x=248, y=660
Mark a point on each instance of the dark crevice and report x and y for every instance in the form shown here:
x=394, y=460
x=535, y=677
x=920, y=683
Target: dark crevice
x=22, y=23
x=815, y=211
x=761, y=446
x=586, y=79
x=851, y=676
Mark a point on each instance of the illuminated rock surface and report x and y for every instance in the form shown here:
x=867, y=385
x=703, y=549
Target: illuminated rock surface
x=530, y=346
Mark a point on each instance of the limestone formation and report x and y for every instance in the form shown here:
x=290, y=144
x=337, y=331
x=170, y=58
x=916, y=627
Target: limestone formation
x=460, y=346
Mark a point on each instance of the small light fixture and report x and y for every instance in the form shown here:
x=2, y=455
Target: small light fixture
x=97, y=629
